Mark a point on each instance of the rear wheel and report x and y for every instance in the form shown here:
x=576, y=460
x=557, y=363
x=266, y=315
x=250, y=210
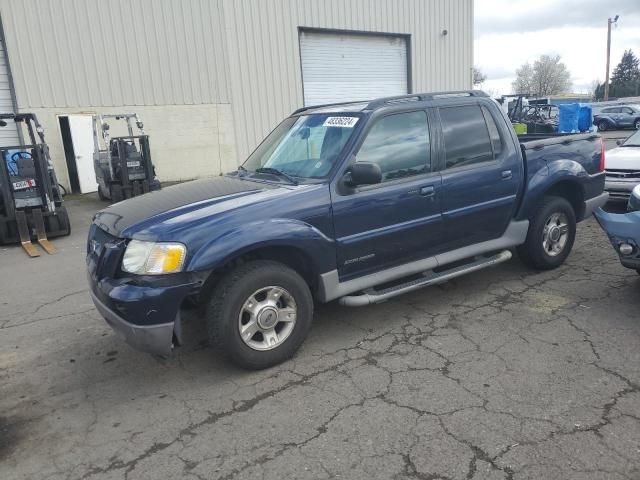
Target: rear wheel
x=603, y=126
x=64, y=224
x=116, y=193
x=637, y=124
x=259, y=314
x=101, y=195
x=552, y=231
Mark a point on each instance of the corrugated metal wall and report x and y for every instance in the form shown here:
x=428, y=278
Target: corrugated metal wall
x=81, y=53
x=262, y=40
x=87, y=53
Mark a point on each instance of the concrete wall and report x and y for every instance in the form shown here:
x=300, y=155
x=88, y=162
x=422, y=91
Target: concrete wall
x=187, y=141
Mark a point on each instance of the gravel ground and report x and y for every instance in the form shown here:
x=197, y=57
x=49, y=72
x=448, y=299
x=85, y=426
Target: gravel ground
x=506, y=373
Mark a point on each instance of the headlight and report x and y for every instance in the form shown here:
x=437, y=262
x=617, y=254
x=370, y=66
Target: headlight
x=150, y=258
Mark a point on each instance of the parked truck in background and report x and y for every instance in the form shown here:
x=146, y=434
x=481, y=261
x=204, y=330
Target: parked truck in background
x=356, y=202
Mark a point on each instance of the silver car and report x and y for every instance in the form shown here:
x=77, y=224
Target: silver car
x=622, y=167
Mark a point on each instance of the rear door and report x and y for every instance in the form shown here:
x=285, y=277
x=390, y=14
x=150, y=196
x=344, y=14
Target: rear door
x=626, y=117
x=398, y=220
x=482, y=173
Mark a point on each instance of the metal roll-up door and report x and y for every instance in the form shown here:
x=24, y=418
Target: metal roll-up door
x=9, y=134
x=343, y=66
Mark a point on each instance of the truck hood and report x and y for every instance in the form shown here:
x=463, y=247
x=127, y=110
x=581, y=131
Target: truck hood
x=131, y=217
x=623, y=158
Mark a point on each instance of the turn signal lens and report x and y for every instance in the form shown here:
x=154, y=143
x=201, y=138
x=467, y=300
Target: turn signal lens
x=149, y=258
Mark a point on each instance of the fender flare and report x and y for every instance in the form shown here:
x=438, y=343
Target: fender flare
x=278, y=232
x=556, y=172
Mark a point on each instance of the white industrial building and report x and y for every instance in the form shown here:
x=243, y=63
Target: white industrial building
x=210, y=78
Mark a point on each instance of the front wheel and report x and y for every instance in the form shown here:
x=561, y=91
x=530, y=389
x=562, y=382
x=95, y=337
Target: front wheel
x=602, y=126
x=637, y=124
x=259, y=314
x=552, y=231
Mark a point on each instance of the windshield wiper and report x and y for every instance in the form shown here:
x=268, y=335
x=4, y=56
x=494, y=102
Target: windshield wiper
x=277, y=172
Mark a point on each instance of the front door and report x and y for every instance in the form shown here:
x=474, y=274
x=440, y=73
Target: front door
x=398, y=220
x=481, y=176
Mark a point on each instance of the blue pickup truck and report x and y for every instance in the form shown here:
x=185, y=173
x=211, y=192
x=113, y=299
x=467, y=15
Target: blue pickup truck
x=357, y=202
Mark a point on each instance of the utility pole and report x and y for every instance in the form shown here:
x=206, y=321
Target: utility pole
x=610, y=21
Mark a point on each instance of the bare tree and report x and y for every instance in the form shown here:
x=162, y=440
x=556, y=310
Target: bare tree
x=478, y=76
x=524, y=79
x=547, y=76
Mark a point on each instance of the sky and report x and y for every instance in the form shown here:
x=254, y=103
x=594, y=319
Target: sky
x=509, y=33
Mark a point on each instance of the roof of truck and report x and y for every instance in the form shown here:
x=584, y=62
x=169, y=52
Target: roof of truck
x=359, y=106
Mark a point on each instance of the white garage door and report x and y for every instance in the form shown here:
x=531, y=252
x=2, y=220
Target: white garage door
x=8, y=134
x=340, y=67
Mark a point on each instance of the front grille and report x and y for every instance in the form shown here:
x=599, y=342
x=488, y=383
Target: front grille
x=623, y=174
x=97, y=239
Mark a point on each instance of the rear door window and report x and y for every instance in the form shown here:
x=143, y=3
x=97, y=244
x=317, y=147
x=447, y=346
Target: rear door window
x=466, y=136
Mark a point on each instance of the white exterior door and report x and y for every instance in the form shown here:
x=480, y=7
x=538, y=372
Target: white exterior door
x=339, y=67
x=82, y=138
x=9, y=134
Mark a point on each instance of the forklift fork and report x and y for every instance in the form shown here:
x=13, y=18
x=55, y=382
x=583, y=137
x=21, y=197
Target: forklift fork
x=25, y=236
x=42, y=233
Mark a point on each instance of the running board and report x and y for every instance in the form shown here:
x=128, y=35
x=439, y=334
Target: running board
x=370, y=296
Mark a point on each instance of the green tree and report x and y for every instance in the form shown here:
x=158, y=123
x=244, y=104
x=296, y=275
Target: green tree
x=625, y=79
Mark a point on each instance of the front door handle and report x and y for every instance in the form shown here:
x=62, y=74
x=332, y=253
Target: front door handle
x=506, y=174
x=427, y=191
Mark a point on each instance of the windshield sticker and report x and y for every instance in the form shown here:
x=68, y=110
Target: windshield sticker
x=345, y=122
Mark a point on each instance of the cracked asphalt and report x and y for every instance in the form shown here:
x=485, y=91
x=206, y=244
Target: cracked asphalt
x=506, y=373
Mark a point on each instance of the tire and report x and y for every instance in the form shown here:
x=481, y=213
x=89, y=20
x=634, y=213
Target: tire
x=63, y=222
x=540, y=250
x=101, y=195
x=603, y=126
x=636, y=124
x=116, y=193
x=227, y=312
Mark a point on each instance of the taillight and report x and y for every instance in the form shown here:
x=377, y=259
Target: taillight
x=601, y=168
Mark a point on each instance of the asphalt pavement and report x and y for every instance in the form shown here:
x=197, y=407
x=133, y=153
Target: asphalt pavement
x=505, y=373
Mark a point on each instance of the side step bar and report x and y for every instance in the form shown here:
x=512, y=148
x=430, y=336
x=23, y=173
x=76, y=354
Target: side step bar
x=370, y=296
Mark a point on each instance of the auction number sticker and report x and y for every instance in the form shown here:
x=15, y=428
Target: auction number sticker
x=30, y=183
x=345, y=122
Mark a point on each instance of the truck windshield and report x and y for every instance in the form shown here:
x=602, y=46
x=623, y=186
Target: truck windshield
x=633, y=140
x=305, y=147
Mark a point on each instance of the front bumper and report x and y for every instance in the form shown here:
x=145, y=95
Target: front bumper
x=622, y=228
x=156, y=339
x=144, y=310
x=619, y=189
x=594, y=203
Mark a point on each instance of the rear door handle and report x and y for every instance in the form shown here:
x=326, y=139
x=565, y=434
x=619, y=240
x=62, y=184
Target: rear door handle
x=427, y=191
x=506, y=174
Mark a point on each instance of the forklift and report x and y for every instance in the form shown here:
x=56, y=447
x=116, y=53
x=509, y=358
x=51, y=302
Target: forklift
x=123, y=164
x=30, y=196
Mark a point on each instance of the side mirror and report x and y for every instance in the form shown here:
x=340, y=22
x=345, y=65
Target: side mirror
x=364, y=173
x=3, y=123
x=139, y=125
x=105, y=126
x=619, y=142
